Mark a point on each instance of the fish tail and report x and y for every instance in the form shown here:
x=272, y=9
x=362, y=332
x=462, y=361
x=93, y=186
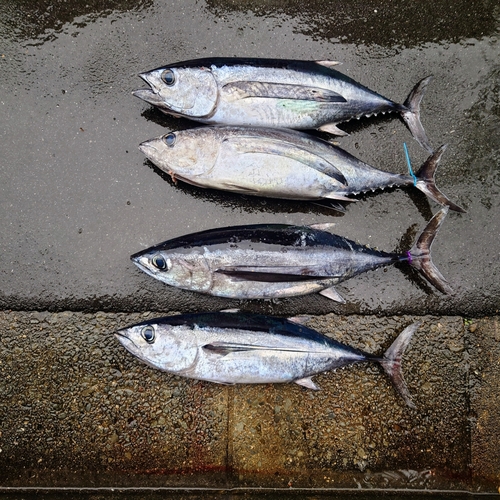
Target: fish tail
x=392, y=359
x=411, y=113
x=419, y=256
x=426, y=182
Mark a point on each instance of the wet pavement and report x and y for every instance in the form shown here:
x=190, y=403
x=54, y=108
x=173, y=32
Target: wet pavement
x=77, y=198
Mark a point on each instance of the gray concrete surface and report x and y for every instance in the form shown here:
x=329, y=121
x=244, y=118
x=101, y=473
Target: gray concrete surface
x=77, y=198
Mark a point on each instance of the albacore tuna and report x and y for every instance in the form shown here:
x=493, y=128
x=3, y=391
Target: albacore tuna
x=239, y=348
x=271, y=260
x=273, y=93
x=277, y=163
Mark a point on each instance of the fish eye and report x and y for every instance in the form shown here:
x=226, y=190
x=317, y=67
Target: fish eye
x=169, y=139
x=148, y=334
x=168, y=77
x=159, y=262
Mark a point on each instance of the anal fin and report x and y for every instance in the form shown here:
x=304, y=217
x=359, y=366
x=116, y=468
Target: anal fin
x=336, y=196
x=332, y=294
x=331, y=128
x=307, y=382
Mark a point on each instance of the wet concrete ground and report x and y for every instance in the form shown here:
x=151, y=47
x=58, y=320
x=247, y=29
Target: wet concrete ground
x=77, y=198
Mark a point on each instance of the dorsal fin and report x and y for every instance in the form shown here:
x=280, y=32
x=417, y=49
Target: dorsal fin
x=300, y=320
x=324, y=226
x=328, y=64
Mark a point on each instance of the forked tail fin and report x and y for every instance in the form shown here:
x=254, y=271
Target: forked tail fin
x=391, y=362
x=411, y=113
x=419, y=256
x=426, y=182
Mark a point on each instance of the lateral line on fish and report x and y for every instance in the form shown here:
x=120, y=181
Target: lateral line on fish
x=409, y=164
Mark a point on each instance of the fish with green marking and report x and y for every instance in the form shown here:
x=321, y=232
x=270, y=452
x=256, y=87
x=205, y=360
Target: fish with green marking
x=242, y=348
x=266, y=261
x=273, y=93
x=278, y=163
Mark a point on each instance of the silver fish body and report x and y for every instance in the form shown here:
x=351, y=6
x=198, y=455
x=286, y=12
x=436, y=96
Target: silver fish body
x=277, y=163
x=271, y=261
x=239, y=348
x=272, y=93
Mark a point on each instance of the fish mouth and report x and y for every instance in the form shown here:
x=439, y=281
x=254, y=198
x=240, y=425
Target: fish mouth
x=151, y=97
x=125, y=341
x=148, y=148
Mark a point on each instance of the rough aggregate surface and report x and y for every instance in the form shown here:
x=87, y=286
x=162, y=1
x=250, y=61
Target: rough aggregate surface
x=77, y=409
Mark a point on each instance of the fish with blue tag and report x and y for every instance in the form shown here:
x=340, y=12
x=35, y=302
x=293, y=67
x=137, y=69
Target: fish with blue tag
x=279, y=163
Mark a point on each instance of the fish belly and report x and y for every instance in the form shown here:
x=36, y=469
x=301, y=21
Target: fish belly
x=267, y=175
x=268, y=359
x=279, y=260
x=230, y=287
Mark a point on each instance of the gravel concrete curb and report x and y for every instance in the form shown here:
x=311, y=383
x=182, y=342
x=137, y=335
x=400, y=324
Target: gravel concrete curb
x=78, y=410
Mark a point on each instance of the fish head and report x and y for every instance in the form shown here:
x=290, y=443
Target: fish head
x=189, y=92
x=159, y=345
x=175, y=268
x=184, y=154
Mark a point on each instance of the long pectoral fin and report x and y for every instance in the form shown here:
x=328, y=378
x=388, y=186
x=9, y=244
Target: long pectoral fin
x=275, y=274
x=238, y=188
x=270, y=90
x=278, y=147
x=225, y=348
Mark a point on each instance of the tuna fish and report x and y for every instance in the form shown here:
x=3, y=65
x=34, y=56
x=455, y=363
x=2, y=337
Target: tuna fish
x=277, y=163
x=267, y=261
x=238, y=348
x=272, y=93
